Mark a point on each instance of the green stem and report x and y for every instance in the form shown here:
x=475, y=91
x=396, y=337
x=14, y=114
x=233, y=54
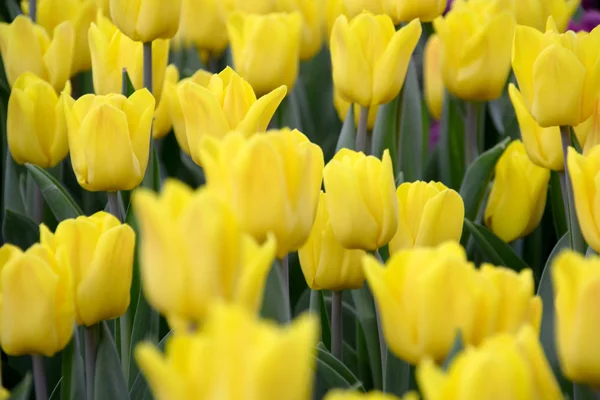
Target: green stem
x=471, y=133
x=361, y=131
x=382, y=343
x=33, y=10
x=39, y=377
x=577, y=242
x=90, y=360
x=113, y=205
x=336, y=324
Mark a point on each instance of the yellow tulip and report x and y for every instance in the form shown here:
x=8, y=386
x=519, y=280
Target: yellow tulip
x=429, y=214
x=112, y=51
x=234, y=356
x=588, y=132
x=504, y=367
x=476, y=39
x=342, y=107
x=26, y=47
x=162, y=120
x=104, y=7
x=333, y=9
x=558, y=74
x=355, y=7
x=534, y=13
x=361, y=196
x=194, y=253
x=36, y=311
x=266, y=48
x=284, y=200
x=584, y=172
x=203, y=25
x=35, y=127
x=404, y=11
x=100, y=252
x=432, y=77
x=81, y=13
x=518, y=197
x=312, y=24
x=146, y=20
x=370, y=59
x=576, y=282
x=325, y=263
x=424, y=298
x=338, y=394
x=249, y=6
x=109, y=139
x=228, y=103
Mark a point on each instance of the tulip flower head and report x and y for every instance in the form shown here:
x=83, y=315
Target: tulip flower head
x=146, y=20
x=534, y=13
x=202, y=25
x=162, y=118
x=312, y=24
x=432, y=77
x=338, y=394
x=404, y=11
x=355, y=7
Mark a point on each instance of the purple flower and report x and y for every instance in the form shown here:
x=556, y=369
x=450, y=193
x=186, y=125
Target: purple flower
x=434, y=133
x=590, y=20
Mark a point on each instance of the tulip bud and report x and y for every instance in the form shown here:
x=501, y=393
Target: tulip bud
x=432, y=77
x=109, y=139
x=203, y=25
x=266, y=48
x=558, y=74
x=193, y=364
x=404, y=11
x=227, y=103
x=355, y=7
x=325, y=263
x=312, y=24
x=534, y=13
x=476, y=39
x=36, y=128
x=338, y=394
x=162, y=119
x=424, y=298
x=429, y=214
x=361, y=196
x=26, y=47
x=576, y=281
x=146, y=20
x=284, y=200
x=342, y=107
x=37, y=315
x=369, y=59
x=504, y=367
x=518, y=197
x=193, y=253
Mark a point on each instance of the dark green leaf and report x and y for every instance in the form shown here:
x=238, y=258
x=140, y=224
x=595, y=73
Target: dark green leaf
x=291, y=114
x=410, y=128
x=452, y=143
x=23, y=389
x=385, y=131
x=60, y=202
x=152, y=178
x=19, y=230
x=55, y=395
x=397, y=373
x=127, y=88
x=276, y=304
x=12, y=190
x=109, y=381
x=583, y=392
x=347, y=138
x=325, y=321
x=558, y=205
x=324, y=355
x=72, y=387
x=365, y=306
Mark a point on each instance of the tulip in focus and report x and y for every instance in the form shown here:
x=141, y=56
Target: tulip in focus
x=37, y=315
x=109, y=139
x=476, y=41
x=342, y=107
x=404, y=11
x=36, y=127
x=432, y=77
x=370, y=59
x=194, y=253
x=266, y=48
x=558, y=74
x=503, y=367
x=234, y=356
x=26, y=47
x=338, y=394
x=312, y=24
x=284, y=200
x=534, y=13
x=518, y=197
x=429, y=214
x=361, y=197
x=202, y=25
x=226, y=104
x=162, y=119
x=576, y=282
x=146, y=20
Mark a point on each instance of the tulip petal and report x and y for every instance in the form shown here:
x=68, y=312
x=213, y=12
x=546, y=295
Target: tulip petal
x=257, y=261
x=164, y=381
x=238, y=99
x=59, y=56
x=432, y=380
x=442, y=219
x=155, y=19
x=527, y=44
x=140, y=112
x=403, y=239
x=22, y=50
x=387, y=187
x=261, y=111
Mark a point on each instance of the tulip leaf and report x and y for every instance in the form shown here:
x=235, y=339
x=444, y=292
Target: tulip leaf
x=583, y=392
x=72, y=387
x=140, y=389
x=457, y=347
x=23, y=390
x=19, y=230
x=145, y=327
x=558, y=206
x=397, y=375
x=60, y=202
x=276, y=303
x=152, y=178
x=56, y=391
x=109, y=382
x=347, y=138
x=12, y=191
x=478, y=177
x=385, y=131
x=318, y=307
x=493, y=248
x=331, y=373
x=452, y=143
x=324, y=355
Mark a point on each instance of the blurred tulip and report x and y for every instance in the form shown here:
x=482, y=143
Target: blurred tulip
x=518, y=197
x=504, y=367
x=558, y=74
x=35, y=127
x=476, y=39
x=146, y=20
x=325, y=263
x=193, y=253
x=266, y=48
x=429, y=214
x=333, y=9
x=249, y=6
x=109, y=139
x=36, y=313
x=284, y=200
x=100, y=252
x=104, y=7
x=264, y=361
x=424, y=298
x=312, y=24
x=588, y=132
x=355, y=7
x=576, y=282
x=26, y=47
x=370, y=59
x=534, y=13
x=203, y=25
x=338, y=394
x=162, y=119
x=404, y=11
x=226, y=104
x=361, y=196
x=342, y=107
x=432, y=77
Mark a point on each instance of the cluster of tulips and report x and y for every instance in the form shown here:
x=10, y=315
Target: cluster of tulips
x=243, y=199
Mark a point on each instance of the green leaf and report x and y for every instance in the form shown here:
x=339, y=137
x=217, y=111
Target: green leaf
x=331, y=373
x=410, y=128
x=152, y=178
x=318, y=307
x=397, y=375
x=457, y=347
x=12, y=190
x=23, y=389
x=452, y=143
x=558, y=206
x=72, y=387
x=385, y=131
x=140, y=389
x=109, y=381
x=60, y=202
x=19, y=230
x=347, y=138
x=55, y=395
x=583, y=392
x=495, y=249
x=127, y=88
x=276, y=304
x=478, y=177
x=365, y=306
x=324, y=355
x=291, y=114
